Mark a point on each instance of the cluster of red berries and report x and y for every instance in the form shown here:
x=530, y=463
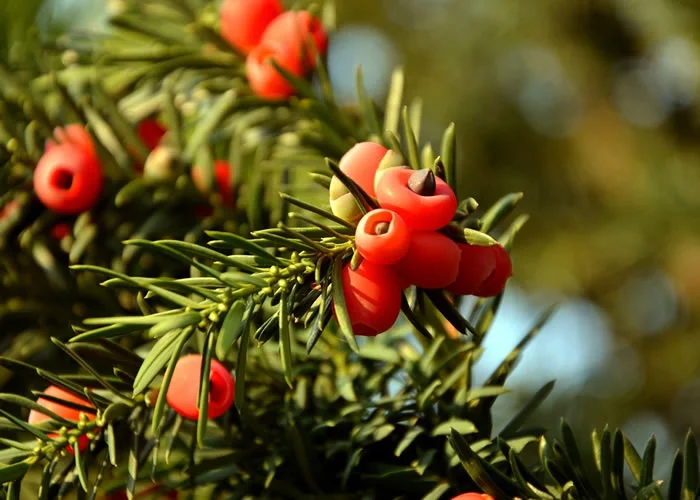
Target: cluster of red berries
x=68, y=178
x=183, y=390
x=263, y=31
x=401, y=243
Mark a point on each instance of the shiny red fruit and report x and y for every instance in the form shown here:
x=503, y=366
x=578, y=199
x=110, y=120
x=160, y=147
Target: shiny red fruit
x=243, y=22
x=150, y=132
x=68, y=180
x=432, y=261
x=360, y=163
x=184, y=387
x=264, y=79
x=372, y=297
x=422, y=212
x=476, y=265
x=66, y=412
x=301, y=32
x=73, y=134
x=496, y=282
x=473, y=496
x=222, y=180
x=382, y=237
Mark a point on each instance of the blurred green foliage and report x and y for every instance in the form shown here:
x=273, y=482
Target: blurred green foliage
x=16, y=18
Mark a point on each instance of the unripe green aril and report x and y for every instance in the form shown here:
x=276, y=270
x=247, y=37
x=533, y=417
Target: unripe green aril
x=159, y=164
x=391, y=159
x=343, y=203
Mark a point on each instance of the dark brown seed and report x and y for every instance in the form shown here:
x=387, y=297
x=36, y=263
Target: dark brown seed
x=381, y=228
x=422, y=182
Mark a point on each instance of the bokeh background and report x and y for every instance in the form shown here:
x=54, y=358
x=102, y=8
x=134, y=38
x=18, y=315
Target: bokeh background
x=591, y=109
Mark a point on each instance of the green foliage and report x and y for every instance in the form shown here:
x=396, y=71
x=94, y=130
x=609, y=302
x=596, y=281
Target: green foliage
x=16, y=18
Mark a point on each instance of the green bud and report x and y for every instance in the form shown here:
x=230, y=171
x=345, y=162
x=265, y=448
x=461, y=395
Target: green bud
x=391, y=159
x=346, y=207
x=12, y=145
x=159, y=164
x=337, y=189
x=70, y=57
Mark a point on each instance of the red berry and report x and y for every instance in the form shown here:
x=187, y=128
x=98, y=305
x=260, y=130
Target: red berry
x=60, y=231
x=473, y=496
x=150, y=132
x=243, y=22
x=301, y=32
x=222, y=179
x=382, y=237
x=264, y=79
x=67, y=179
x=67, y=412
x=503, y=270
x=372, y=297
x=432, y=261
x=184, y=387
x=477, y=264
x=430, y=208
x=360, y=163
x=76, y=135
